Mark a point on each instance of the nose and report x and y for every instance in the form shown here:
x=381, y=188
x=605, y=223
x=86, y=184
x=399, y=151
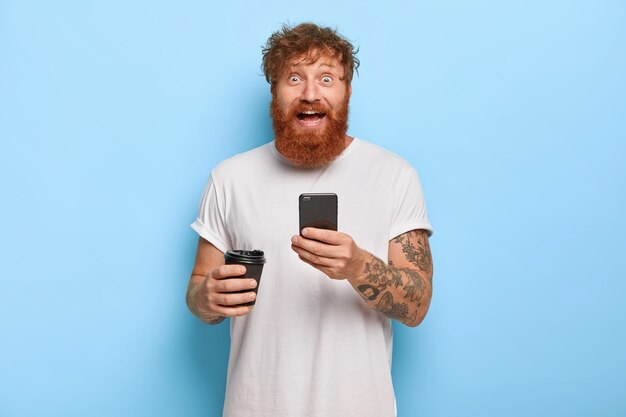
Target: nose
x=311, y=92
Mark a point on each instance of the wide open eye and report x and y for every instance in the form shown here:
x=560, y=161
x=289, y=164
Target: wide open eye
x=294, y=78
x=326, y=79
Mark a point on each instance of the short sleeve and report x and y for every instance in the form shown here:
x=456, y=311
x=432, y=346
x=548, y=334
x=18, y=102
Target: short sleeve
x=210, y=222
x=409, y=205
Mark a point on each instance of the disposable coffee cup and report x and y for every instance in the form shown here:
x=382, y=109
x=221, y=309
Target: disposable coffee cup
x=253, y=260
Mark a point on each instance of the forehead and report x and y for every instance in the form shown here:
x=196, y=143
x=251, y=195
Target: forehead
x=315, y=58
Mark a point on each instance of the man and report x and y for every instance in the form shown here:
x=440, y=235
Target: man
x=318, y=341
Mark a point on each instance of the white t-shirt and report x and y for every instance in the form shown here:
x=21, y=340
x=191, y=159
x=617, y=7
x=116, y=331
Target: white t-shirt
x=311, y=346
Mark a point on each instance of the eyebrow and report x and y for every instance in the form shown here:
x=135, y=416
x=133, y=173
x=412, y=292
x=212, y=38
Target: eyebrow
x=323, y=64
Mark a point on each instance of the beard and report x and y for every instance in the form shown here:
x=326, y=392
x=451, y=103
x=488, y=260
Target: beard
x=310, y=148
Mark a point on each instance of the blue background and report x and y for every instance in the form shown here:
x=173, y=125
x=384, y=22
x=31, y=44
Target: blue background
x=112, y=115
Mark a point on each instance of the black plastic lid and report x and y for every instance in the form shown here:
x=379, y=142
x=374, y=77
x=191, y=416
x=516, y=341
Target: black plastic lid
x=246, y=256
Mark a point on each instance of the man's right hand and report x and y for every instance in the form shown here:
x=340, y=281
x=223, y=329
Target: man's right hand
x=215, y=295
x=211, y=282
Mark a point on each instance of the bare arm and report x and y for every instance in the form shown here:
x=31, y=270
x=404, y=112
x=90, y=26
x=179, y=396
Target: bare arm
x=210, y=285
x=401, y=290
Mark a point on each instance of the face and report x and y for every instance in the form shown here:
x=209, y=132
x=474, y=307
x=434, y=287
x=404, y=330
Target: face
x=310, y=111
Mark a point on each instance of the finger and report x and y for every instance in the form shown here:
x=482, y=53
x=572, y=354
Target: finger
x=232, y=299
x=313, y=246
x=330, y=237
x=232, y=311
x=234, y=284
x=315, y=260
x=228, y=271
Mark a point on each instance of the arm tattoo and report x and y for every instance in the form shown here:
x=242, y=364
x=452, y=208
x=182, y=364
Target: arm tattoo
x=408, y=285
x=419, y=253
x=393, y=310
x=382, y=277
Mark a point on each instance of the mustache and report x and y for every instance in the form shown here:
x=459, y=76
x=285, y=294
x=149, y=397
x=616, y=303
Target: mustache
x=304, y=107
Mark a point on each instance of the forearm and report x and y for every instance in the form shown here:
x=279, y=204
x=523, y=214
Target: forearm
x=195, y=286
x=399, y=293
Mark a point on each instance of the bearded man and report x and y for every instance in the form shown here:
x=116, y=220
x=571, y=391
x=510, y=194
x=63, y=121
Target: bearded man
x=318, y=342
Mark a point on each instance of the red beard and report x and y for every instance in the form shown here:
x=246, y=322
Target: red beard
x=310, y=148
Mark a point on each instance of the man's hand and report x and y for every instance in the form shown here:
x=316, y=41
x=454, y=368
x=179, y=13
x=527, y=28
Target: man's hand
x=333, y=253
x=214, y=296
x=400, y=290
x=208, y=293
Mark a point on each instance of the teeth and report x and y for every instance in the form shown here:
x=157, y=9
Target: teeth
x=309, y=112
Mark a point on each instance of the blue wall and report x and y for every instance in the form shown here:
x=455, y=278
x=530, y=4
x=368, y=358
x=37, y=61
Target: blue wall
x=113, y=113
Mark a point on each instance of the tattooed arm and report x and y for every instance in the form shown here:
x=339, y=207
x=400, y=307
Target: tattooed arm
x=401, y=290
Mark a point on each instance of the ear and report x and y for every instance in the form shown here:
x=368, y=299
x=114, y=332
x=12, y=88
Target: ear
x=349, y=91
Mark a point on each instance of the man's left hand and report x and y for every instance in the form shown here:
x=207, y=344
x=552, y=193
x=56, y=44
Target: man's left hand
x=333, y=253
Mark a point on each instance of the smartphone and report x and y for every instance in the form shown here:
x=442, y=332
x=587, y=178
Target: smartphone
x=318, y=210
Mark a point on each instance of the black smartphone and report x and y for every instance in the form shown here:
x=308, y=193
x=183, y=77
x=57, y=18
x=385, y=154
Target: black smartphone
x=318, y=210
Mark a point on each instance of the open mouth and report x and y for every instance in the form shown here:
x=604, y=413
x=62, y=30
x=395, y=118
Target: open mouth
x=310, y=117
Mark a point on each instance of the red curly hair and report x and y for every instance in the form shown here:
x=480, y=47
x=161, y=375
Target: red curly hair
x=307, y=39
